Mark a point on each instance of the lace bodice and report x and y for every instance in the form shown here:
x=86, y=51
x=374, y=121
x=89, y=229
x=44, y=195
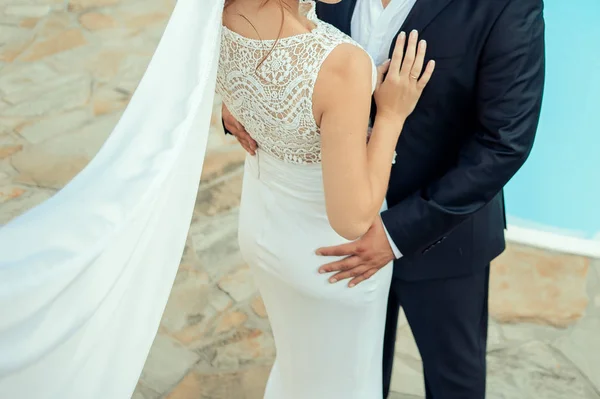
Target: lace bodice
x=274, y=100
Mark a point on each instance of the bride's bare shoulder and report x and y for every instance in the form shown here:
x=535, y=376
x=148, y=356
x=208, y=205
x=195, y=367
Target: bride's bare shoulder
x=346, y=61
x=348, y=70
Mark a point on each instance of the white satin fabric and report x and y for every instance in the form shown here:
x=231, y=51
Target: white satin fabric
x=85, y=276
x=329, y=337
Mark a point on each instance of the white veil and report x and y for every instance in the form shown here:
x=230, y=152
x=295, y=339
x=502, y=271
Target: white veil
x=85, y=276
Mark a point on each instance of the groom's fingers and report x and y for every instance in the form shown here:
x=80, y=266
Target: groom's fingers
x=237, y=129
x=338, y=250
x=246, y=146
x=365, y=276
x=245, y=140
x=341, y=265
x=350, y=273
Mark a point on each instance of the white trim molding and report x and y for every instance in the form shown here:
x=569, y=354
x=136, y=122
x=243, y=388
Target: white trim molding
x=554, y=241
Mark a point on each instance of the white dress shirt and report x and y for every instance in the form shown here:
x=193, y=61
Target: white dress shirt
x=374, y=27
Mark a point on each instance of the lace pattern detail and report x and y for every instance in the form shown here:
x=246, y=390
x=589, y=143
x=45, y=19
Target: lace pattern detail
x=274, y=101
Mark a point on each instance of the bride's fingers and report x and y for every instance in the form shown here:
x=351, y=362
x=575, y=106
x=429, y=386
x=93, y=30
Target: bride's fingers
x=409, y=57
x=396, y=62
x=381, y=71
x=417, y=68
x=426, y=75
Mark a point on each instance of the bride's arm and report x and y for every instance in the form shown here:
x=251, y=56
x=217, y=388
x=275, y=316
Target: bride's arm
x=355, y=174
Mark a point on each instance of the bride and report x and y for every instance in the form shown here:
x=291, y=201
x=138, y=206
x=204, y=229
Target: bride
x=85, y=276
x=302, y=89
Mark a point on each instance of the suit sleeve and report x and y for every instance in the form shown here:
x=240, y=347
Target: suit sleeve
x=510, y=84
x=224, y=128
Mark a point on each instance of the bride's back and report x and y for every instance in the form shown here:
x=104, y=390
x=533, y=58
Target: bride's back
x=262, y=20
x=268, y=72
x=268, y=86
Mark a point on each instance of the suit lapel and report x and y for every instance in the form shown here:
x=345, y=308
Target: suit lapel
x=351, y=9
x=421, y=15
x=339, y=15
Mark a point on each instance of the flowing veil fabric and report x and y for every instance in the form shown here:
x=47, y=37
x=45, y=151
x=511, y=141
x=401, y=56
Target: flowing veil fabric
x=85, y=276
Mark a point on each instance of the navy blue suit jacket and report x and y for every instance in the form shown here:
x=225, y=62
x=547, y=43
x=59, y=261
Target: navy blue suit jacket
x=473, y=128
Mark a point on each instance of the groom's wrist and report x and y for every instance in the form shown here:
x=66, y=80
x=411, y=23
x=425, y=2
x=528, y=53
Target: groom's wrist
x=395, y=250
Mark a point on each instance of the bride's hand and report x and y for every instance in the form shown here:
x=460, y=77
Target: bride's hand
x=397, y=95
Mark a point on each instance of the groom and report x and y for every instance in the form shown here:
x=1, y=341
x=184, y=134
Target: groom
x=471, y=131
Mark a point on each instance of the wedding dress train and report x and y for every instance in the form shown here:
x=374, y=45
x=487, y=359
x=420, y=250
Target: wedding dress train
x=85, y=276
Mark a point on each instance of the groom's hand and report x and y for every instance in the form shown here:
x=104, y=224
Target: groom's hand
x=240, y=133
x=363, y=258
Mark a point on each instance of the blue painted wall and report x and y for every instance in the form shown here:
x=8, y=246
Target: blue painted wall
x=559, y=186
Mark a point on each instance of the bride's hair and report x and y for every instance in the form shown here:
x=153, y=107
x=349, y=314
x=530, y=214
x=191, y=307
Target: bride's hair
x=282, y=6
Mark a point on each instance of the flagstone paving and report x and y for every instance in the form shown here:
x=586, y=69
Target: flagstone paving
x=68, y=69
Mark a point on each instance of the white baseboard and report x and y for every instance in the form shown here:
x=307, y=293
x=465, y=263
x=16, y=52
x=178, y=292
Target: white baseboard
x=553, y=241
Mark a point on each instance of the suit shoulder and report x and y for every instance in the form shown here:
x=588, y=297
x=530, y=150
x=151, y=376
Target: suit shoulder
x=511, y=10
x=511, y=6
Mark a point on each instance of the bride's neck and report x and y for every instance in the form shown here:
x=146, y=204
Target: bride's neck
x=267, y=19
x=291, y=7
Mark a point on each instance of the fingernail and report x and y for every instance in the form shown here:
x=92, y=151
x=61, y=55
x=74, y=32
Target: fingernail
x=351, y=285
x=321, y=271
x=414, y=31
x=402, y=34
x=332, y=280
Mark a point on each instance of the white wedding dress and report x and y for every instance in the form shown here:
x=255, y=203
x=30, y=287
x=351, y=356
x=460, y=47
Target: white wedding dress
x=329, y=338
x=85, y=276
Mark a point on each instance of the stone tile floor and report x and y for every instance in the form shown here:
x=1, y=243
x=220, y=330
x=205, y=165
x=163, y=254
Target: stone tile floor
x=68, y=69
